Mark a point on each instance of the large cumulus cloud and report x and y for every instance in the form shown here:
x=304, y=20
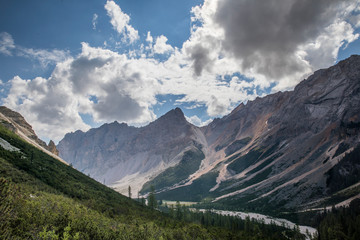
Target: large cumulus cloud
x=277, y=40
x=55, y=104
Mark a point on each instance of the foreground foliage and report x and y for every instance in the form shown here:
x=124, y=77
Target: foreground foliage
x=341, y=223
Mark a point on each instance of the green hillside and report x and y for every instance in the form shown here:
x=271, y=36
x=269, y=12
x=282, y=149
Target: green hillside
x=189, y=164
x=42, y=198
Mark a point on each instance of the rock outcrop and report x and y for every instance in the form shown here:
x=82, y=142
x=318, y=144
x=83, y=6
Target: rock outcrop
x=15, y=122
x=52, y=148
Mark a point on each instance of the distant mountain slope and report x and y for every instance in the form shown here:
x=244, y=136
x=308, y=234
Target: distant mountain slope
x=15, y=122
x=295, y=149
x=116, y=151
x=298, y=138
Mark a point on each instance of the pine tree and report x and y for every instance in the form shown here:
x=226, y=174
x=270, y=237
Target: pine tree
x=151, y=198
x=32, y=158
x=179, y=213
x=129, y=190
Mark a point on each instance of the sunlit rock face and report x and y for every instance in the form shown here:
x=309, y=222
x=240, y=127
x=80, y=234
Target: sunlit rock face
x=15, y=122
x=116, y=151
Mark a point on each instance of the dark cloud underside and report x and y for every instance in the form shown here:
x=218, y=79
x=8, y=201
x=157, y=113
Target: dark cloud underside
x=266, y=34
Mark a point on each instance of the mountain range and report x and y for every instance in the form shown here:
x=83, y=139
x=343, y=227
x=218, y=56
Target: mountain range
x=294, y=150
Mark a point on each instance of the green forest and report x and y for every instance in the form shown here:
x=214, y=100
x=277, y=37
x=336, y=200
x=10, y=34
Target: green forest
x=340, y=223
x=42, y=198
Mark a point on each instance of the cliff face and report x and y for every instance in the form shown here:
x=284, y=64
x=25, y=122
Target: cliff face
x=52, y=148
x=288, y=149
x=116, y=151
x=17, y=123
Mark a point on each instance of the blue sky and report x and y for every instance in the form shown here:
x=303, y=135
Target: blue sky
x=68, y=65
x=64, y=24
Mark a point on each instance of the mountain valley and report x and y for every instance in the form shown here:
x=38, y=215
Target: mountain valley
x=289, y=150
x=290, y=154
x=42, y=197
x=180, y=120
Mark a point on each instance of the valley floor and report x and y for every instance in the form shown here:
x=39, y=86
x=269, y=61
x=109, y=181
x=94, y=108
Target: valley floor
x=306, y=230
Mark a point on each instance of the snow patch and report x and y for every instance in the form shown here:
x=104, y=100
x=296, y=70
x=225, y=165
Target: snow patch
x=7, y=146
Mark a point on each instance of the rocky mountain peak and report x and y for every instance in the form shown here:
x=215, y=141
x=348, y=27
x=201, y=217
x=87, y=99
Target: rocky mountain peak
x=15, y=122
x=173, y=122
x=52, y=148
x=175, y=115
x=17, y=118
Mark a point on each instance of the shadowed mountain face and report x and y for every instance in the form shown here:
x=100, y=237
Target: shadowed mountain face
x=293, y=149
x=296, y=137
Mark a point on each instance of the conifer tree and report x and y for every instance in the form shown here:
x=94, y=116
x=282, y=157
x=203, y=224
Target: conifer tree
x=152, y=199
x=129, y=191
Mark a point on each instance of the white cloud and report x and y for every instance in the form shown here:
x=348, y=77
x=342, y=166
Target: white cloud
x=94, y=21
x=356, y=20
x=323, y=51
x=195, y=120
x=161, y=46
x=192, y=106
x=203, y=48
x=45, y=57
x=6, y=43
x=120, y=22
x=149, y=38
x=121, y=90
x=46, y=104
x=149, y=47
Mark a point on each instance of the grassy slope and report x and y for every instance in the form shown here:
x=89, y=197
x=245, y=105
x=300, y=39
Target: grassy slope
x=197, y=191
x=189, y=164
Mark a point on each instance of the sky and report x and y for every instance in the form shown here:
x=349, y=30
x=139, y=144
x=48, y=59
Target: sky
x=72, y=65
